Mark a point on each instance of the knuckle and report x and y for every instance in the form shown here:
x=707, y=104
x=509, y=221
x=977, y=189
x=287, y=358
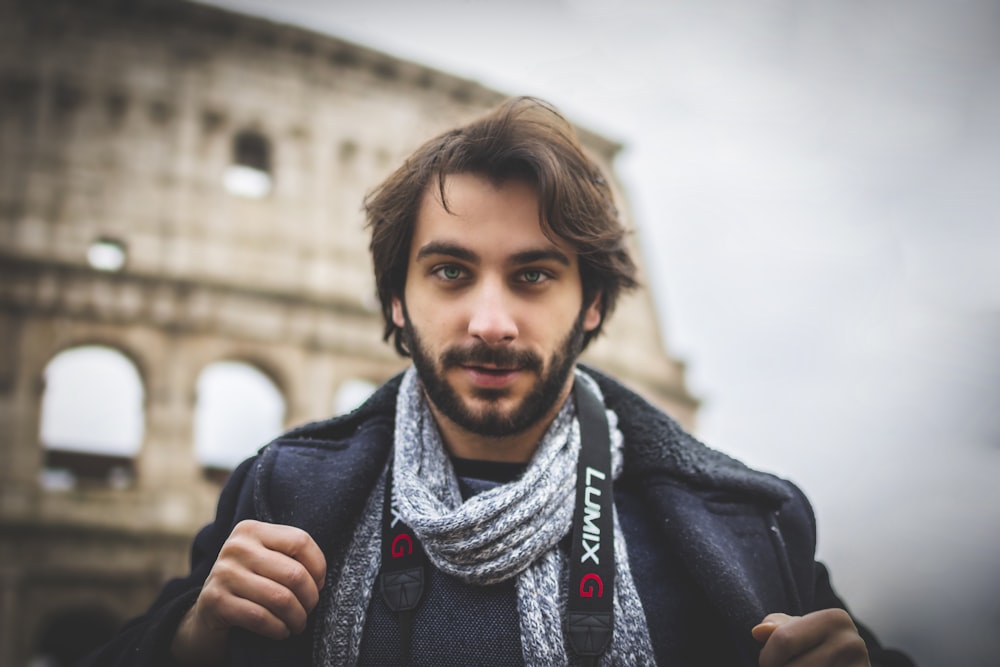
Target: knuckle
x=781, y=640
x=222, y=573
x=264, y=623
x=212, y=596
x=281, y=600
x=299, y=540
x=296, y=576
x=257, y=619
x=284, y=605
x=855, y=651
x=839, y=616
x=235, y=547
x=246, y=526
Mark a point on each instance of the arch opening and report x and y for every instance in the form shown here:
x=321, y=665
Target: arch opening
x=238, y=409
x=92, y=418
x=249, y=175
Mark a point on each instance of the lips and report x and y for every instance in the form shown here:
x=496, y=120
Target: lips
x=499, y=360
x=490, y=369
x=490, y=376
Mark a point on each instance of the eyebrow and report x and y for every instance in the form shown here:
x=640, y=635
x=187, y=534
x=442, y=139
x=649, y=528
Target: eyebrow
x=449, y=249
x=532, y=256
x=466, y=255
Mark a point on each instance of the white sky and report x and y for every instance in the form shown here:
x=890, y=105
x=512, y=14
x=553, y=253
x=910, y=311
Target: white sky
x=817, y=187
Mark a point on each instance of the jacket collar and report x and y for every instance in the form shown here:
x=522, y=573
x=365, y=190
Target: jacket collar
x=655, y=444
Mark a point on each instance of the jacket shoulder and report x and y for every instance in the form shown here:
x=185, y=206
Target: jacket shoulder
x=317, y=477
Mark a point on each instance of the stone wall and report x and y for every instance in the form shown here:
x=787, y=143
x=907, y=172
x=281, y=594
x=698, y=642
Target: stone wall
x=118, y=123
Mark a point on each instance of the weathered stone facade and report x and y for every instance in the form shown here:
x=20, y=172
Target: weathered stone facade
x=117, y=122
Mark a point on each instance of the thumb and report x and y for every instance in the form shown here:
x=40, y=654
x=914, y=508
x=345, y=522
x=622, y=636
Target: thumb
x=762, y=631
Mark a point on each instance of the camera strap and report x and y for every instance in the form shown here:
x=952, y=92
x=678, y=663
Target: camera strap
x=590, y=608
x=404, y=570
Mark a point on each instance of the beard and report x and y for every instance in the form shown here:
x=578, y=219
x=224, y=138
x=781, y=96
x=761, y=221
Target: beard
x=491, y=420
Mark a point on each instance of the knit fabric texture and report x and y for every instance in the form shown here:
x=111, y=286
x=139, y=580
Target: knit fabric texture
x=510, y=531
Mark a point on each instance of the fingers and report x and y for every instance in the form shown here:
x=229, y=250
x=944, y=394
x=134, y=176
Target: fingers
x=266, y=579
x=825, y=638
x=227, y=608
x=290, y=541
x=768, y=625
x=282, y=554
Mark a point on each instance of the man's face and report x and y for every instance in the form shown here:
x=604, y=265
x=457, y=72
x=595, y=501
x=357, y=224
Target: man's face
x=493, y=311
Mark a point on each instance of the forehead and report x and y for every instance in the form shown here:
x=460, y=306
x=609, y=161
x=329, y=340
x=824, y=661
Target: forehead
x=497, y=218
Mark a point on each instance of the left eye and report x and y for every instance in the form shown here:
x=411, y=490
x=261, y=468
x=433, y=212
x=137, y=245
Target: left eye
x=450, y=272
x=533, y=276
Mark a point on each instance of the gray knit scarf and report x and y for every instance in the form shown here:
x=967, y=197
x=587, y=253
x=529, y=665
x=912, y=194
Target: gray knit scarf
x=512, y=530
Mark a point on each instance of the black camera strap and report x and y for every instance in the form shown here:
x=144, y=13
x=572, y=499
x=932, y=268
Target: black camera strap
x=404, y=570
x=590, y=608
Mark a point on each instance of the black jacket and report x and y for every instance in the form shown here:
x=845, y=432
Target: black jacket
x=747, y=538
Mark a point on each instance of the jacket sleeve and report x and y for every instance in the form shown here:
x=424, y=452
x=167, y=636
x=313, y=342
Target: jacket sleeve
x=145, y=641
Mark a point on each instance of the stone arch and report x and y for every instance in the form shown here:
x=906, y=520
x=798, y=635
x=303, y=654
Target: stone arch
x=69, y=634
x=92, y=421
x=86, y=337
x=252, y=149
x=251, y=169
x=262, y=359
x=239, y=407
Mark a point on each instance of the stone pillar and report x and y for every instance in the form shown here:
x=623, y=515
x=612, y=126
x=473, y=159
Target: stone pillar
x=167, y=457
x=167, y=468
x=314, y=390
x=21, y=386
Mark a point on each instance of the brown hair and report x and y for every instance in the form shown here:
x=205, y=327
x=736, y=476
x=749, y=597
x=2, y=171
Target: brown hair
x=523, y=138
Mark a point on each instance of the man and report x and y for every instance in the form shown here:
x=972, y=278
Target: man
x=496, y=504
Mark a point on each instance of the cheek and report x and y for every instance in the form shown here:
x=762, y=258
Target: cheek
x=437, y=328
x=438, y=317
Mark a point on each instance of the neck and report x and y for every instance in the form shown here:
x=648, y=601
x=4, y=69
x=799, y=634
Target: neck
x=516, y=448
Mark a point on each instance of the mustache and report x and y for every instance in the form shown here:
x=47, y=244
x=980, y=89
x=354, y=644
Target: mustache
x=483, y=354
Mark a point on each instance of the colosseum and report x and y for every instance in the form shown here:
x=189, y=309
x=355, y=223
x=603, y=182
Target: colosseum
x=180, y=223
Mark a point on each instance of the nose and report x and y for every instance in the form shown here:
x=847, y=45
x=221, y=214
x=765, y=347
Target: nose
x=491, y=319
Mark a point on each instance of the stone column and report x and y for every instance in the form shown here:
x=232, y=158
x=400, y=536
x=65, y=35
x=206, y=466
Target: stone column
x=167, y=468
x=21, y=386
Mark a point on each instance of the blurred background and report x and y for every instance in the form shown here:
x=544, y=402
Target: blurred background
x=814, y=188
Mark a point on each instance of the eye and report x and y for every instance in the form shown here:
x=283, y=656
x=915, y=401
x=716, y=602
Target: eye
x=449, y=272
x=534, y=277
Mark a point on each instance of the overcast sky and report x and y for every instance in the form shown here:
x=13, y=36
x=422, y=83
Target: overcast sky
x=816, y=185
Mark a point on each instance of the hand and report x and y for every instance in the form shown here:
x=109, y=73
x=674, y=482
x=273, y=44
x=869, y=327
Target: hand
x=266, y=579
x=825, y=638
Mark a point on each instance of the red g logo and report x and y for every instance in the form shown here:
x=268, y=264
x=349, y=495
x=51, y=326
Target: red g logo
x=402, y=545
x=587, y=584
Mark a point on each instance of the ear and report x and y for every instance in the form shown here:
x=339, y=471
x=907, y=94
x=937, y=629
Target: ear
x=397, y=312
x=592, y=316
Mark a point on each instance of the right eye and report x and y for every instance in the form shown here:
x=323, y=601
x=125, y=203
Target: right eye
x=449, y=272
